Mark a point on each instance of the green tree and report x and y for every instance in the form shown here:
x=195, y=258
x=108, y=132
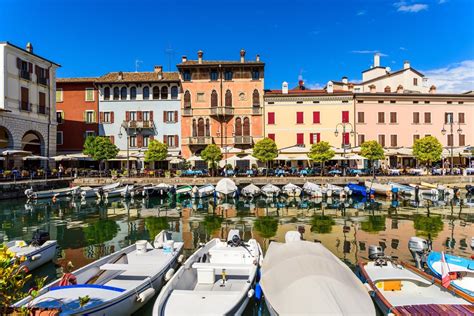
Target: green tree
x=211, y=223
x=427, y=226
x=212, y=155
x=155, y=225
x=321, y=152
x=157, y=151
x=89, y=146
x=373, y=151
x=427, y=150
x=100, y=231
x=265, y=150
x=100, y=149
x=374, y=224
x=322, y=224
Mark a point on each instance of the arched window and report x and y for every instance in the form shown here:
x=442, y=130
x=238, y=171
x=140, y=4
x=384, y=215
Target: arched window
x=133, y=93
x=156, y=93
x=256, y=98
x=116, y=93
x=106, y=93
x=214, y=98
x=194, y=128
x=208, y=128
x=123, y=93
x=228, y=98
x=246, y=128
x=238, y=126
x=164, y=93
x=146, y=93
x=387, y=89
x=174, y=92
x=187, y=99
x=200, y=131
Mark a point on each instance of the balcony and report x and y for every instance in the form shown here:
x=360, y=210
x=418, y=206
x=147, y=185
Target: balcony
x=25, y=75
x=243, y=140
x=25, y=106
x=222, y=111
x=139, y=124
x=42, y=81
x=257, y=110
x=187, y=112
x=200, y=140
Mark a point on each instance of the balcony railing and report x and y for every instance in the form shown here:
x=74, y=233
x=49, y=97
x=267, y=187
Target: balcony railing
x=25, y=75
x=256, y=110
x=42, y=81
x=139, y=124
x=243, y=140
x=222, y=111
x=25, y=106
x=200, y=140
x=187, y=112
x=42, y=109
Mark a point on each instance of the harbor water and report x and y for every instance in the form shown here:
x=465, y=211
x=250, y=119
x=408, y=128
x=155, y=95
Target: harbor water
x=88, y=230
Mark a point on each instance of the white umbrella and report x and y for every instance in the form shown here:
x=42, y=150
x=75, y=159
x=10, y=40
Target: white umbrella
x=281, y=157
x=300, y=157
x=226, y=186
x=176, y=161
x=251, y=189
x=194, y=158
x=64, y=157
x=355, y=157
x=338, y=157
x=33, y=157
x=1, y=158
x=249, y=157
x=14, y=152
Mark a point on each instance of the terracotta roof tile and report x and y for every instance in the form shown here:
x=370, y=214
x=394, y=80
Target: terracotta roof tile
x=306, y=92
x=221, y=62
x=71, y=80
x=138, y=77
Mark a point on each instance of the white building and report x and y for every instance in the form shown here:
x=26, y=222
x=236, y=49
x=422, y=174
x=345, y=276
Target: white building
x=28, y=104
x=144, y=104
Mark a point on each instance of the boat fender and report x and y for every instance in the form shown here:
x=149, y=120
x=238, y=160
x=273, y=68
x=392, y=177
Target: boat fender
x=250, y=293
x=203, y=258
x=36, y=257
x=258, y=292
x=329, y=192
x=169, y=274
x=146, y=295
x=181, y=259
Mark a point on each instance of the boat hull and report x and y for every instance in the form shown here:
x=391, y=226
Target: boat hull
x=40, y=255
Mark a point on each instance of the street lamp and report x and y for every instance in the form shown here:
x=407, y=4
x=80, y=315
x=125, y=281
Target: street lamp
x=451, y=123
x=127, y=131
x=344, y=126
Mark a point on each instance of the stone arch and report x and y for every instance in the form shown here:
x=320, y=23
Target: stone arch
x=6, y=138
x=33, y=141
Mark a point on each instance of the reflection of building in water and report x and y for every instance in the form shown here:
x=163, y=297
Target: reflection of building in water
x=226, y=211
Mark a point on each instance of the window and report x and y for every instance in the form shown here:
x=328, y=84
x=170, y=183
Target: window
x=299, y=118
x=89, y=117
x=228, y=75
x=106, y=93
x=123, y=93
x=255, y=98
x=146, y=93
x=381, y=140
x=214, y=100
x=59, y=138
x=214, y=75
x=461, y=118
x=381, y=118
x=146, y=141
x=427, y=118
x=187, y=99
x=25, y=99
x=415, y=138
x=42, y=103
x=393, y=140
x=146, y=116
x=427, y=102
x=316, y=117
x=380, y=101
x=416, y=117
x=314, y=138
x=393, y=117
x=90, y=134
x=171, y=140
x=345, y=116
x=246, y=126
x=448, y=118
x=228, y=98
x=450, y=140
x=299, y=139
x=449, y=102
x=116, y=93
x=133, y=93
x=174, y=92
x=255, y=74
x=393, y=101
x=361, y=139
x=108, y=117
x=271, y=136
x=271, y=118
x=187, y=75
x=59, y=95
x=132, y=141
x=164, y=93
x=238, y=126
x=345, y=139
x=200, y=97
x=415, y=81
x=170, y=116
x=60, y=117
x=415, y=102
x=89, y=94
x=387, y=89
x=462, y=140
x=360, y=117
x=132, y=116
x=156, y=93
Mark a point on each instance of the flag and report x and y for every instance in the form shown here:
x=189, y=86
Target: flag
x=445, y=278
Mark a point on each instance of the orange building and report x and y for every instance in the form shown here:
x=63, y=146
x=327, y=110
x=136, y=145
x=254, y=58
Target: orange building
x=221, y=104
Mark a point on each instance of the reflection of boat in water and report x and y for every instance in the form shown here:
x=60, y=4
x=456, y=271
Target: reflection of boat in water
x=270, y=190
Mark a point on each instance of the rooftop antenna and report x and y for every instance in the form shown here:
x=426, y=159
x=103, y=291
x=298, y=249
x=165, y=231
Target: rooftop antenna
x=137, y=64
x=171, y=53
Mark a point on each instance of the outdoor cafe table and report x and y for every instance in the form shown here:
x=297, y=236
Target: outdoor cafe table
x=394, y=172
x=334, y=172
x=416, y=172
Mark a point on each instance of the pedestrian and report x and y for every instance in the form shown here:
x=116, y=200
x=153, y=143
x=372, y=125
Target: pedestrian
x=61, y=170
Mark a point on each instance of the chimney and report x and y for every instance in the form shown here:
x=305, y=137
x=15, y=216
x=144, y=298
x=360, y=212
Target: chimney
x=350, y=87
x=400, y=89
x=257, y=58
x=120, y=75
x=329, y=87
x=376, y=60
x=284, y=87
x=433, y=89
x=406, y=64
x=344, y=80
x=242, y=55
x=158, y=69
x=200, y=54
x=301, y=84
x=373, y=88
x=184, y=59
x=29, y=47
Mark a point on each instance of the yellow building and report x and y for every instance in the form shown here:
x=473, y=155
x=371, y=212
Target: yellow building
x=302, y=117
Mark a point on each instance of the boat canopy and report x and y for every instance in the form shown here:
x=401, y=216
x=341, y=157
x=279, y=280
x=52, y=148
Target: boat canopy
x=251, y=189
x=310, y=186
x=270, y=188
x=226, y=186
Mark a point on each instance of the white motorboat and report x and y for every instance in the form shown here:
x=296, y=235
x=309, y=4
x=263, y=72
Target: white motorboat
x=379, y=188
x=118, y=284
x=439, y=187
x=250, y=191
x=335, y=190
x=422, y=190
x=88, y=192
x=156, y=190
x=217, y=279
x=291, y=190
x=226, y=188
x=304, y=278
x=401, y=289
x=402, y=189
x=270, y=190
x=120, y=191
x=38, y=252
x=47, y=194
x=313, y=189
x=203, y=191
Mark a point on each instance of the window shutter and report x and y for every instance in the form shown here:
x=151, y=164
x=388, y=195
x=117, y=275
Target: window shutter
x=346, y=138
x=299, y=138
x=164, y=117
x=311, y=137
x=318, y=137
x=101, y=117
x=271, y=117
x=140, y=140
x=94, y=118
x=30, y=68
x=18, y=63
x=316, y=117
x=175, y=116
x=271, y=136
x=85, y=116
x=151, y=115
x=36, y=70
x=139, y=116
x=165, y=139
x=112, y=139
x=176, y=140
x=345, y=116
x=111, y=117
x=299, y=118
x=127, y=116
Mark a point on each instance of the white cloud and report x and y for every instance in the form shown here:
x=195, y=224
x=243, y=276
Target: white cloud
x=403, y=48
x=442, y=1
x=361, y=12
x=403, y=6
x=458, y=77
x=314, y=85
x=369, y=52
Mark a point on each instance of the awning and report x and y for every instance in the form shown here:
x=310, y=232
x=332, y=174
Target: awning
x=249, y=157
x=174, y=160
x=14, y=152
x=33, y=157
x=294, y=150
x=355, y=157
x=338, y=157
x=281, y=157
x=231, y=150
x=121, y=158
x=194, y=158
x=64, y=158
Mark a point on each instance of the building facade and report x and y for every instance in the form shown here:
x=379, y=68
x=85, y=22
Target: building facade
x=77, y=110
x=221, y=104
x=139, y=107
x=28, y=106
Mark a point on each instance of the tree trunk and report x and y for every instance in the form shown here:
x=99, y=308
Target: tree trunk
x=322, y=168
x=373, y=168
x=266, y=169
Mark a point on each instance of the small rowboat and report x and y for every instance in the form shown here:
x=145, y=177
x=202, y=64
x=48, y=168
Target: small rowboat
x=226, y=188
x=88, y=192
x=270, y=190
x=313, y=189
x=403, y=189
x=379, y=188
x=118, y=284
x=359, y=190
x=156, y=190
x=203, y=191
x=401, y=289
x=461, y=270
x=121, y=191
x=291, y=190
x=48, y=194
x=335, y=190
x=251, y=191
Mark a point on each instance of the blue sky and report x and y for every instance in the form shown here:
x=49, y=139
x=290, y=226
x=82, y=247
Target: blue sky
x=319, y=40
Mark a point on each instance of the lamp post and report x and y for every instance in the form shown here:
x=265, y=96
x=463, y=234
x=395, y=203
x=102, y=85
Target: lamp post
x=127, y=130
x=451, y=123
x=344, y=126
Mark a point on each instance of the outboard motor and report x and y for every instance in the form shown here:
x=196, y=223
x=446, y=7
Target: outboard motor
x=419, y=249
x=39, y=238
x=375, y=252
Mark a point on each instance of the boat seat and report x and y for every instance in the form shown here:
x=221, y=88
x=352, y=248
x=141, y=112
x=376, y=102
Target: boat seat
x=136, y=268
x=220, y=266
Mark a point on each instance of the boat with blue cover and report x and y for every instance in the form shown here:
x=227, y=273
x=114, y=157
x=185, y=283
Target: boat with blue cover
x=361, y=190
x=461, y=270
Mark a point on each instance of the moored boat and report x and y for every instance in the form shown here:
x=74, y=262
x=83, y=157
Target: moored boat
x=88, y=192
x=156, y=190
x=180, y=192
x=291, y=190
x=251, y=191
x=360, y=190
x=118, y=284
x=120, y=191
x=379, y=188
x=217, y=279
x=312, y=189
x=270, y=190
x=203, y=191
x=335, y=190
x=226, y=188
x=47, y=194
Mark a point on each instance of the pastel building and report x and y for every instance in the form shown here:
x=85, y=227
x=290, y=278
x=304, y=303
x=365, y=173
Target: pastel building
x=28, y=104
x=138, y=107
x=221, y=104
